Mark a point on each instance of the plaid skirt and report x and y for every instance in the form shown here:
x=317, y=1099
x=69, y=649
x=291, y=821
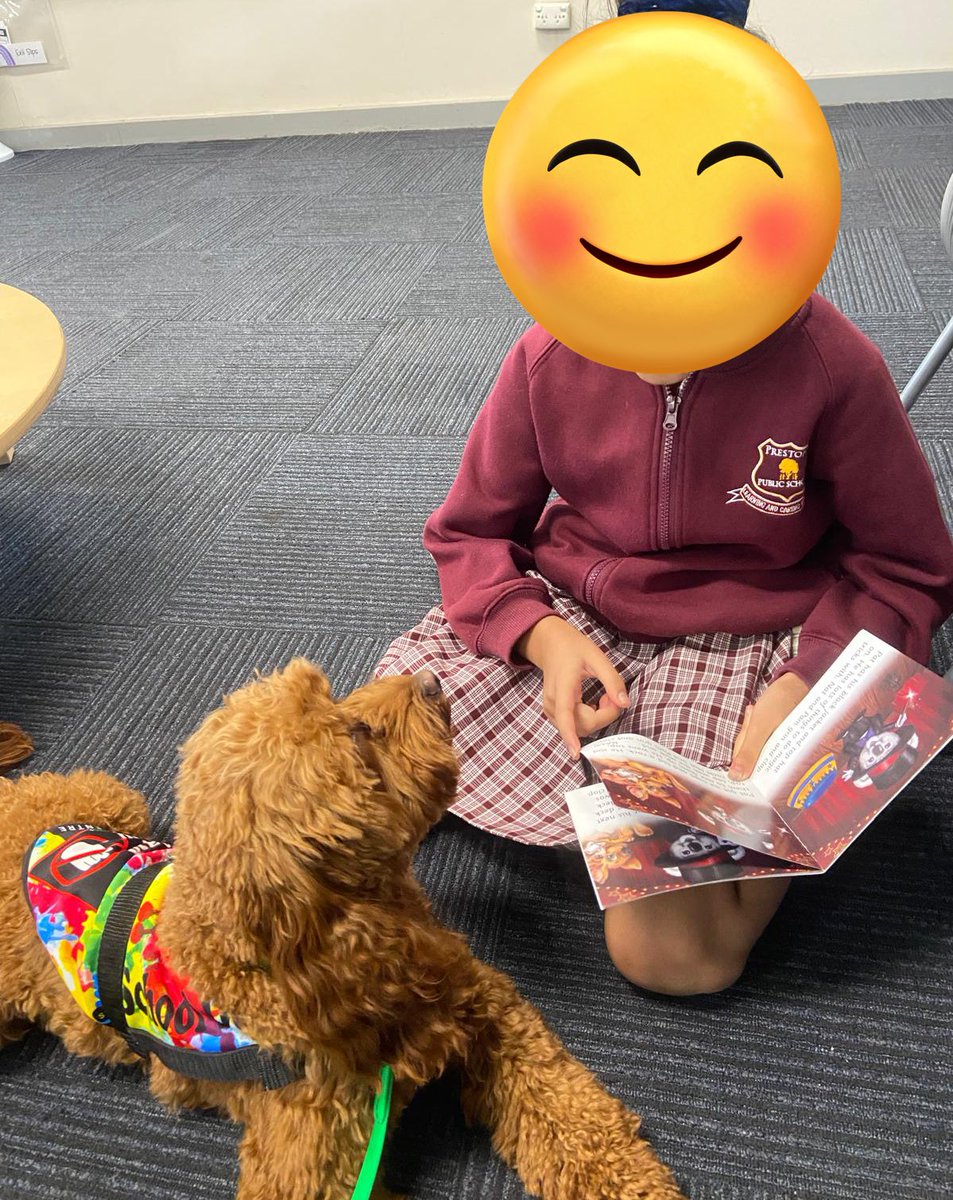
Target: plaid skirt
x=689, y=694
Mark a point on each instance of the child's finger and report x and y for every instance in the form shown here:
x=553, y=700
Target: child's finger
x=563, y=717
x=591, y=720
x=739, y=740
x=609, y=677
x=742, y=759
x=754, y=733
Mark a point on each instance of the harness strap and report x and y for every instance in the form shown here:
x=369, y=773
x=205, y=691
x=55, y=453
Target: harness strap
x=375, y=1146
x=247, y=1064
x=115, y=938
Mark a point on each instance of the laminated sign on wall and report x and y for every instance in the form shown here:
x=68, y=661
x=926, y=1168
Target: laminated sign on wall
x=28, y=35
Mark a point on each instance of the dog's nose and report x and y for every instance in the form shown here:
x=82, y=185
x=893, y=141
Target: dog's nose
x=428, y=683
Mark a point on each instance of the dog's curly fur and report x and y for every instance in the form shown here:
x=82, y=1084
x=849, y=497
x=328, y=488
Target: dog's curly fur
x=293, y=906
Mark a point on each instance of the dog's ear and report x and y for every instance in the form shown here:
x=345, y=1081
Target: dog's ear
x=309, y=680
x=369, y=983
x=313, y=950
x=289, y=922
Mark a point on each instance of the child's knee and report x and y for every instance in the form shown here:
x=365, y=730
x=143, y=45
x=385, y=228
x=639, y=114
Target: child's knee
x=685, y=965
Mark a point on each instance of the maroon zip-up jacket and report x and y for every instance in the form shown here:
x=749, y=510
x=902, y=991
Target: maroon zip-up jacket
x=784, y=487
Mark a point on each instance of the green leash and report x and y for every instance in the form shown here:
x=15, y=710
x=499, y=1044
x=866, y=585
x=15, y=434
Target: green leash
x=375, y=1144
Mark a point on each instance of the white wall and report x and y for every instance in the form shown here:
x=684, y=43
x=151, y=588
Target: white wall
x=162, y=60
x=859, y=37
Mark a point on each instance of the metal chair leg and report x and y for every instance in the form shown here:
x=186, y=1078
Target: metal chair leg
x=928, y=368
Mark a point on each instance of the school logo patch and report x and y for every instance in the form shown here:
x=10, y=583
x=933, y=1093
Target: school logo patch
x=776, y=484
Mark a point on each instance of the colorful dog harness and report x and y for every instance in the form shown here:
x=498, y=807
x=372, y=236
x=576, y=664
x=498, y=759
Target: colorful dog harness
x=96, y=897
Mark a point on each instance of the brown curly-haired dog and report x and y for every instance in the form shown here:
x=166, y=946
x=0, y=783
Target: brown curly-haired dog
x=292, y=903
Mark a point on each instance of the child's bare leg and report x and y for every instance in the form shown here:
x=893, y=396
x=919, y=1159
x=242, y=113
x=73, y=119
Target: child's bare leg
x=693, y=941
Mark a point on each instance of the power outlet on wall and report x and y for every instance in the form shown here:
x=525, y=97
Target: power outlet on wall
x=551, y=16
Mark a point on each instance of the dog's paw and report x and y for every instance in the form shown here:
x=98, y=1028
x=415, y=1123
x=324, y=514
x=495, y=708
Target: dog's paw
x=609, y=1161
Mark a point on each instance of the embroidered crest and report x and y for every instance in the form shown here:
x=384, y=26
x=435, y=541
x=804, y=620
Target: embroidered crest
x=776, y=484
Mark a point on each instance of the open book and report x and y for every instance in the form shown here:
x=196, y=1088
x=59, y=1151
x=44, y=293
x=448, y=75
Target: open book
x=658, y=821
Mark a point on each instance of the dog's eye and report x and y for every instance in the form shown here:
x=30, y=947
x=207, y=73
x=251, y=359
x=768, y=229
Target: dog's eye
x=359, y=730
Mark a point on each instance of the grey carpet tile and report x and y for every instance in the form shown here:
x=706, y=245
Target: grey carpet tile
x=225, y=376
x=428, y=1176
x=470, y=877
x=931, y=414
x=913, y=150
x=265, y=174
x=461, y=281
x=474, y=228
x=929, y=266
x=870, y=273
x=122, y=1133
x=418, y=171
x=80, y=284
x=863, y=204
x=107, y=545
x=152, y=155
x=51, y=177
x=171, y=677
x=909, y=114
x=914, y=198
x=329, y=539
x=440, y=139
x=16, y=261
x=422, y=377
x=292, y=153
x=824, y=961
x=903, y=339
x=344, y=281
x=91, y=344
x=364, y=218
x=124, y=180
x=46, y=171
x=52, y=672
x=69, y=222
x=211, y=223
x=850, y=149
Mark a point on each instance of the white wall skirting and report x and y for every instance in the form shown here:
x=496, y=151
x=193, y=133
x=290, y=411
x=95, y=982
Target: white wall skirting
x=468, y=114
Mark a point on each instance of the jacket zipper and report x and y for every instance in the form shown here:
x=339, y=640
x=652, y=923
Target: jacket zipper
x=590, y=584
x=673, y=398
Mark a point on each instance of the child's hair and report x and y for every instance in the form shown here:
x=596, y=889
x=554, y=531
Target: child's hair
x=735, y=12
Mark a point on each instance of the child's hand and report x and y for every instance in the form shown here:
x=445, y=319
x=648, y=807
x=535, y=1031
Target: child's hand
x=567, y=657
x=761, y=720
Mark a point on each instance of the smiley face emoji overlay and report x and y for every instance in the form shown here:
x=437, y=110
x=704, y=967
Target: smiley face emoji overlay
x=662, y=192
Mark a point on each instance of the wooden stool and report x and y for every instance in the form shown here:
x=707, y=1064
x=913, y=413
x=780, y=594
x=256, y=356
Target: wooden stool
x=32, y=361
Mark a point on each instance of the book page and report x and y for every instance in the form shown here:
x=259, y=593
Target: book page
x=623, y=746
x=822, y=708
x=630, y=855
x=641, y=775
x=865, y=730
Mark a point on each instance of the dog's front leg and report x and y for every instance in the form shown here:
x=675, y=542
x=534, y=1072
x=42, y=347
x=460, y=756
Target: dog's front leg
x=303, y=1142
x=550, y=1118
